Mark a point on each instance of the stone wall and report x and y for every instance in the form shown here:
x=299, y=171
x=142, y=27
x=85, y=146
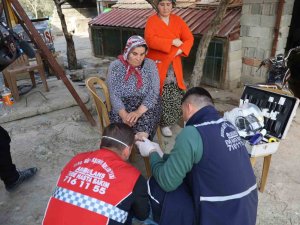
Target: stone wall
x=234, y=65
x=257, y=34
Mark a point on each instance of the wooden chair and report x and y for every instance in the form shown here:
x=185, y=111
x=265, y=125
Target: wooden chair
x=20, y=66
x=103, y=108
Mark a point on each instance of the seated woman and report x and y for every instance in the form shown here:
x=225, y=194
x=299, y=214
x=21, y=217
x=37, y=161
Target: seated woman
x=133, y=84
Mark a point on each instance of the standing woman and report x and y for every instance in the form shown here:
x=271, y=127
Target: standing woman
x=168, y=38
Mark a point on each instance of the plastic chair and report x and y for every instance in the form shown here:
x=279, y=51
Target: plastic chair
x=20, y=66
x=103, y=108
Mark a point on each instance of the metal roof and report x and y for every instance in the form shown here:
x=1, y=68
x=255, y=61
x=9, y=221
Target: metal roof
x=197, y=19
x=143, y=4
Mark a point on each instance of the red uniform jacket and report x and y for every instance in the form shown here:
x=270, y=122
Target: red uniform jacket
x=89, y=190
x=159, y=37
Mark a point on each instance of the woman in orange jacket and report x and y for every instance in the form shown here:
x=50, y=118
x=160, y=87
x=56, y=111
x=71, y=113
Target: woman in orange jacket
x=168, y=38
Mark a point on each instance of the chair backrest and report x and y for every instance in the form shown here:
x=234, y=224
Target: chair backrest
x=103, y=108
x=22, y=60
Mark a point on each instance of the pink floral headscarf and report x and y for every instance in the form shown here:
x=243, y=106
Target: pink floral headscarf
x=132, y=42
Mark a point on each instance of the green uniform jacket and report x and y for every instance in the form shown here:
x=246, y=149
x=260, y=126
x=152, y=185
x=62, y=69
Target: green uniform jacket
x=170, y=170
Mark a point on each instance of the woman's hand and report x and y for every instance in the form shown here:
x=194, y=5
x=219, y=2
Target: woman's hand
x=133, y=117
x=179, y=51
x=124, y=114
x=177, y=42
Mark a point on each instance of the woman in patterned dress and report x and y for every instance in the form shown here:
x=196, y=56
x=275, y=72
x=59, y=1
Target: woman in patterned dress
x=168, y=38
x=133, y=84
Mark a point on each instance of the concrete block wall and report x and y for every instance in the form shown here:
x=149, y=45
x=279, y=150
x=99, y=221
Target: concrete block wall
x=257, y=34
x=234, y=65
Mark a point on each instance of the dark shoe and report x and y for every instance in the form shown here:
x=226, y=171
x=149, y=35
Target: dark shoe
x=24, y=175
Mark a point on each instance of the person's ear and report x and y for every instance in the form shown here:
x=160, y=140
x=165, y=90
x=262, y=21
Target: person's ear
x=189, y=108
x=126, y=152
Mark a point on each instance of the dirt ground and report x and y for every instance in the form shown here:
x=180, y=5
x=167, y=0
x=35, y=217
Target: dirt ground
x=48, y=141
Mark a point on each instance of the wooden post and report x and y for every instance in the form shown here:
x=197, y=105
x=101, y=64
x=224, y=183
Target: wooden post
x=49, y=58
x=6, y=11
x=1, y=9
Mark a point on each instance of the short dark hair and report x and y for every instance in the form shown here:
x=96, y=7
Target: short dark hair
x=198, y=91
x=119, y=131
x=173, y=2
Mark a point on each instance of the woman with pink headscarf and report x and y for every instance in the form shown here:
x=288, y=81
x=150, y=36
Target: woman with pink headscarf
x=133, y=83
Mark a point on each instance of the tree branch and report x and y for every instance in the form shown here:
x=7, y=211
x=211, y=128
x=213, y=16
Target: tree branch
x=61, y=2
x=30, y=4
x=153, y=3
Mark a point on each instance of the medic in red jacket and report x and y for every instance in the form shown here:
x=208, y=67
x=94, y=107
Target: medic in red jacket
x=100, y=187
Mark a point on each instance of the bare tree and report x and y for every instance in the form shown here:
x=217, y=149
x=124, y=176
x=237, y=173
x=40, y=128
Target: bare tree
x=204, y=43
x=153, y=3
x=39, y=8
x=34, y=5
x=71, y=53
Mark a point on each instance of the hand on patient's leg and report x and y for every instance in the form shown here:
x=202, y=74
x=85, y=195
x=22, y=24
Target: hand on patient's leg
x=139, y=136
x=146, y=147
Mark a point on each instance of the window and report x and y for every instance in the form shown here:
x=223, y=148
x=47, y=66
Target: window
x=212, y=71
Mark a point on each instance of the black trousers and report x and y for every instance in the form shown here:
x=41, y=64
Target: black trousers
x=8, y=172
